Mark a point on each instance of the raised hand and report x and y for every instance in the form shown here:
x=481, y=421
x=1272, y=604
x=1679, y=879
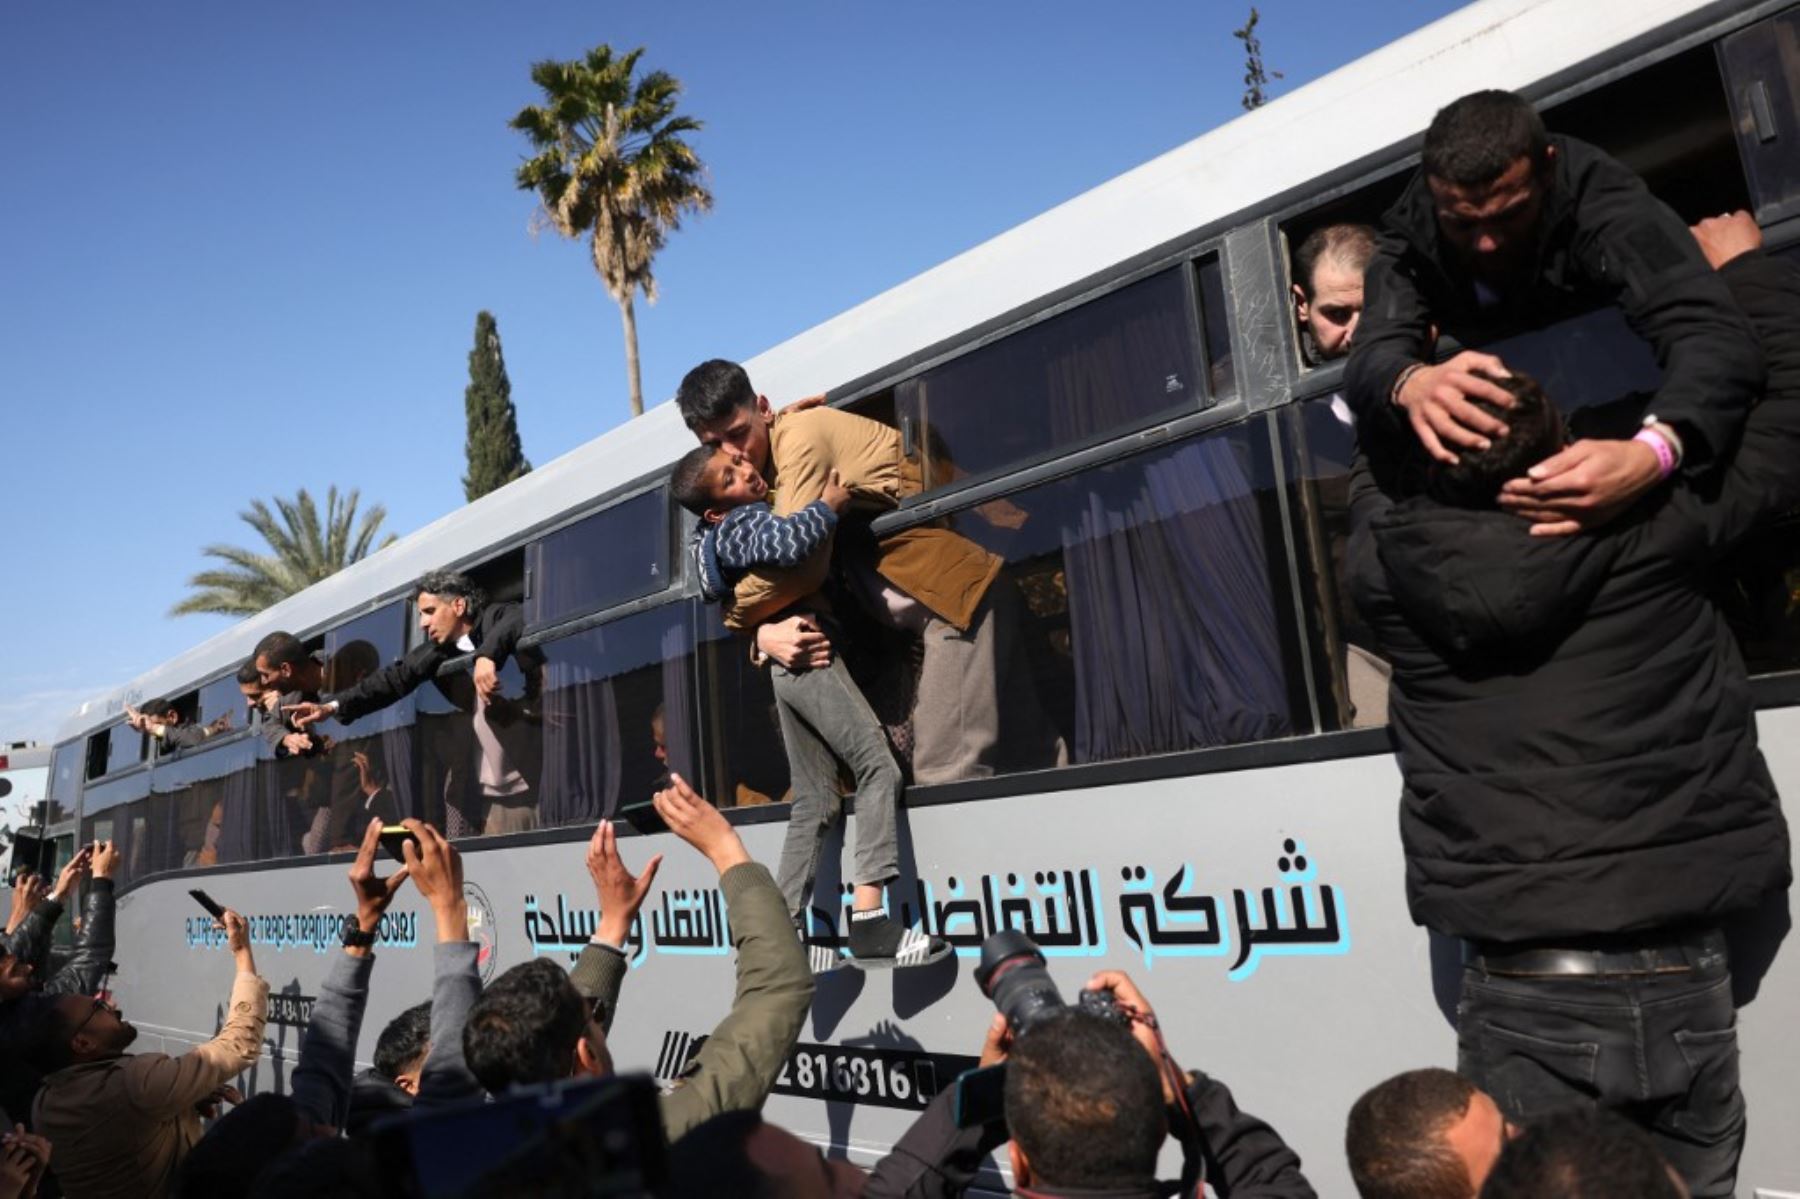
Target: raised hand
x=106, y=858
x=700, y=824
x=78, y=866
x=373, y=893
x=29, y=890
x=237, y=937
x=619, y=892
x=436, y=871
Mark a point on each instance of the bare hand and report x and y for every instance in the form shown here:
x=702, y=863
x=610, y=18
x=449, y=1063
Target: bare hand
x=1725, y=237
x=796, y=643
x=802, y=405
x=209, y=1106
x=135, y=719
x=28, y=891
x=373, y=894
x=487, y=678
x=78, y=866
x=998, y=1042
x=218, y=724
x=700, y=824
x=1436, y=400
x=297, y=744
x=1582, y=487
x=303, y=714
x=23, y=1158
x=436, y=870
x=619, y=892
x=106, y=858
x=364, y=779
x=237, y=937
x=1144, y=1030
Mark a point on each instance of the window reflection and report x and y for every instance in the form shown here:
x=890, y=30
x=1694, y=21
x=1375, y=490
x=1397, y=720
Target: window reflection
x=1115, y=363
x=612, y=556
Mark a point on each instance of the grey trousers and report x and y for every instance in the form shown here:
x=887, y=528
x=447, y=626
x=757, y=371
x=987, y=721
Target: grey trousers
x=965, y=682
x=825, y=720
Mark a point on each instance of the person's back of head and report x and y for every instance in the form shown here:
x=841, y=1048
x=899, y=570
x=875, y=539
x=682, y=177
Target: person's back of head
x=280, y=649
x=1473, y=140
x=1534, y=431
x=1350, y=245
x=1397, y=1138
x=712, y=391
x=239, y=1146
x=401, y=1048
x=689, y=483
x=1582, y=1155
x=526, y=1028
x=1084, y=1104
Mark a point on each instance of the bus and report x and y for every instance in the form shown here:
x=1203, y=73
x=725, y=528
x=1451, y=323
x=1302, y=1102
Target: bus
x=1142, y=442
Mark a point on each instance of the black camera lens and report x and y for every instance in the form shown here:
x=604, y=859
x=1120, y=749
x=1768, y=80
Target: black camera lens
x=1012, y=974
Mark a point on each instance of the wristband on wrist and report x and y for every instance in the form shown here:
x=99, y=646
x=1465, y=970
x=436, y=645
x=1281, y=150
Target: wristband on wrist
x=1402, y=379
x=355, y=937
x=1665, y=455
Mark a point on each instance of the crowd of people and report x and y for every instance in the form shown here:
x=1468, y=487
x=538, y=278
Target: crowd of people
x=1584, y=807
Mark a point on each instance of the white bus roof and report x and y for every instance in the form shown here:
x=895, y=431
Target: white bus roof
x=1358, y=110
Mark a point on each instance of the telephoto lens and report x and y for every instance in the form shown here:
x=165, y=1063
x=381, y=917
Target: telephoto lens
x=1012, y=974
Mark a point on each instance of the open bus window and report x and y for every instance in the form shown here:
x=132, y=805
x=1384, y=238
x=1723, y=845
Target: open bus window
x=615, y=555
x=746, y=765
x=1120, y=362
x=1319, y=442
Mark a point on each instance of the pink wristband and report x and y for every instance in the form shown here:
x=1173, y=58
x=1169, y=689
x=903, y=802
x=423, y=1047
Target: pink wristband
x=1665, y=457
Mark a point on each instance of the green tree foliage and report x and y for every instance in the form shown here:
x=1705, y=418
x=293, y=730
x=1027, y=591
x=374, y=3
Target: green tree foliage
x=610, y=164
x=1256, y=76
x=492, y=446
x=302, y=551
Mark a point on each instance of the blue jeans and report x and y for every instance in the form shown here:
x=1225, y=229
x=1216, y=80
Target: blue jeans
x=1660, y=1049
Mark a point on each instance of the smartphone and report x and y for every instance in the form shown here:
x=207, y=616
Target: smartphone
x=980, y=1096
x=393, y=836
x=213, y=906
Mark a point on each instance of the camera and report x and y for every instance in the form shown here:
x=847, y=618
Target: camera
x=1012, y=974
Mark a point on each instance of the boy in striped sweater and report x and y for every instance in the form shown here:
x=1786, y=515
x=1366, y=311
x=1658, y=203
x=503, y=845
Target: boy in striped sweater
x=739, y=532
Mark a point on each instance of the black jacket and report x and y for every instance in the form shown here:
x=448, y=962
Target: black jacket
x=496, y=636
x=1603, y=239
x=91, y=960
x=1574, y=721
x=1244, y=1157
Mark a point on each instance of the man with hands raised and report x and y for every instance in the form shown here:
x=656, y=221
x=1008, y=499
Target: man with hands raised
x=537, y=1025
x=122, y=1123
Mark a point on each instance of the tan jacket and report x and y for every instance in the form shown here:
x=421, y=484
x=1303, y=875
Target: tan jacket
x=122, y=1126
x=943, y=570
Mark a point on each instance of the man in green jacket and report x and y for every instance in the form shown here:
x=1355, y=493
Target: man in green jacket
x=535, y=1024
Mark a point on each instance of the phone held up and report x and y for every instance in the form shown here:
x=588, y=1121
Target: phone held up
x=393, y=836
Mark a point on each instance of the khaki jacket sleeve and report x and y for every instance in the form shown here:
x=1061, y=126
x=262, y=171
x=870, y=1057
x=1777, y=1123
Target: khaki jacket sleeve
x=169, y=1086
x=600, y=974
x=738, y=1065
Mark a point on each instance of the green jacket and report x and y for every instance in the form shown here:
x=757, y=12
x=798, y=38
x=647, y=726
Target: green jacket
x=738, y=1063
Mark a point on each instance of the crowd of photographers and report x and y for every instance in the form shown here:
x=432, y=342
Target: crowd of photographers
x=512, y=1089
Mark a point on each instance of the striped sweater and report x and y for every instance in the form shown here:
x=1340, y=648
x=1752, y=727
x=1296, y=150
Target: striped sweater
x=751, y=535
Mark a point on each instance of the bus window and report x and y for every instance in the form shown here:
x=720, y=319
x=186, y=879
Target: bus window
x=64, y=790
x=746, y=764
x=368, y=770
x=614, y=555
x=1763, y=66
x=222, y=704
x=1141, y=607
x=1319, y=445
x=1116, y=363
x=1215, y=329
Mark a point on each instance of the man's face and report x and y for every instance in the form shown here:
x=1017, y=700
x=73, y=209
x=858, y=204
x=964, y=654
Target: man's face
x=746, y=430
x=1478, y=1137
x=252, y=693
x=272, y=676
x=441, y=616
x=1492, y=226
x=15, y=977
x=799, y=1170
x=100, y=1028
x=1335, y=307
x=659, y=738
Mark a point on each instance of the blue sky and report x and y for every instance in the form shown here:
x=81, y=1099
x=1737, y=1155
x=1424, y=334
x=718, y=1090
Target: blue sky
x=243, y=245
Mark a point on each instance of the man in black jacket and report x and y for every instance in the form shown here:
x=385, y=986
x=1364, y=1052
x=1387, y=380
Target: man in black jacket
x=499, y=765
x=1506, y=228
x=1584, y=800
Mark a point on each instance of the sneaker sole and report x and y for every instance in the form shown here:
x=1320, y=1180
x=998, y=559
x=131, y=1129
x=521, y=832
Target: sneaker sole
x=936, y=955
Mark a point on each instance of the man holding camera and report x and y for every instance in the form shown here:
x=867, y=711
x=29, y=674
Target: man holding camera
x=1090, y=1094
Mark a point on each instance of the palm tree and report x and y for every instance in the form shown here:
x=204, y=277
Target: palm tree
x=303, y=553
x=611, y=164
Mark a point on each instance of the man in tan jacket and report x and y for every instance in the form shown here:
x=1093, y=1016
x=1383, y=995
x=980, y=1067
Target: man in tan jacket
x=122, y=1123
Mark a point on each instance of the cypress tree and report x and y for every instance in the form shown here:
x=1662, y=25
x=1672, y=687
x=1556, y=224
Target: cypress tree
x=495, y=456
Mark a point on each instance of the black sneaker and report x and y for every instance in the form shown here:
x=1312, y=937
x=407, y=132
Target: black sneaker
x=877, y=943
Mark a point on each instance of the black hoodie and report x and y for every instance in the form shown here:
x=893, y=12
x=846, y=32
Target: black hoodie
x=1574, y=721
x=1604, y=239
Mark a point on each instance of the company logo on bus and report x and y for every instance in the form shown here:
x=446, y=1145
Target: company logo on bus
x=484, y=930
